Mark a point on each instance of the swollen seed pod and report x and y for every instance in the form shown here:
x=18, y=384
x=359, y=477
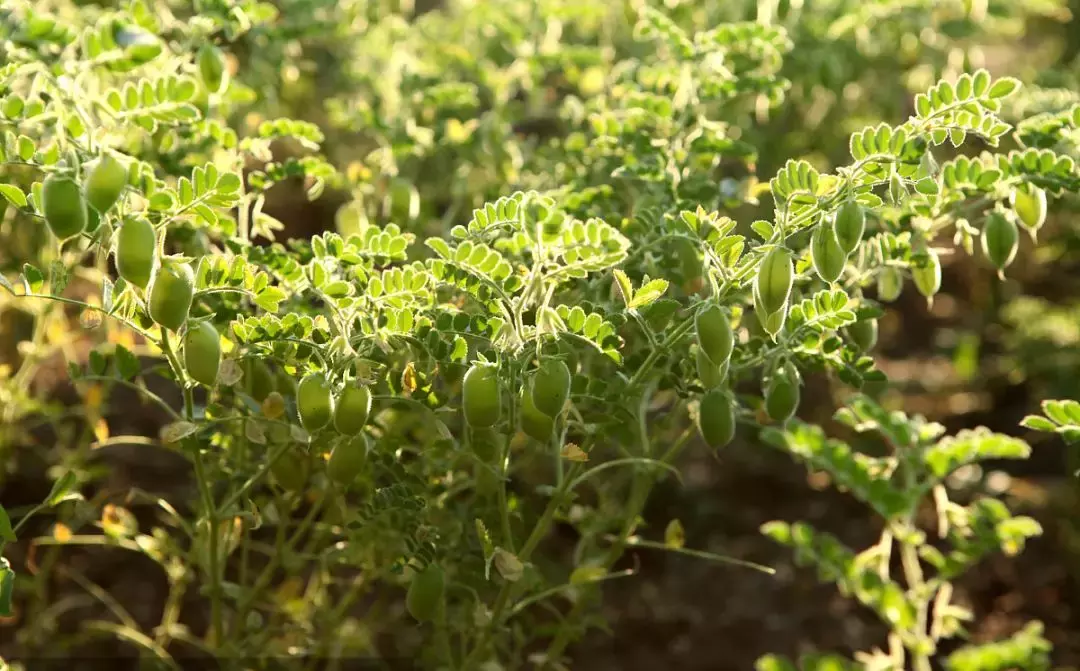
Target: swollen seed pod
x=716, y=418
x=211, y=64
x=426, y=593
x=926, y=271
x=486, y=443
x=105, y=181
x=258, y=379
x=290, y=470
x=314, y=403
x=347, y=460
x=774, y=279
x=849, y=226
x=136, y=248
x=171, y=294
x=481, y=396
x=488, y=446
x=93, y=222
x=687, y=254
x=551, y=387
x=1029, y=203
x=352, y=409
x=202, y=353
x=755, y=322
x=889, y=284
x=1000, y=240
x=708, y=372
x=534, y=423
x=716, y=338
x=64, y=207
x=828, y=257
x=863, y=334
x=781, y=396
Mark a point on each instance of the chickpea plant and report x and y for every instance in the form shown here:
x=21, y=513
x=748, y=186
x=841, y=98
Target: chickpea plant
x=919, y=611
x=391, y=411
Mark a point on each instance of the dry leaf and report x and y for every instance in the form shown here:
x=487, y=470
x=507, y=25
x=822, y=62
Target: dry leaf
x=508, y=565
x=274, y=406
x=674, y=535
x=571, y=452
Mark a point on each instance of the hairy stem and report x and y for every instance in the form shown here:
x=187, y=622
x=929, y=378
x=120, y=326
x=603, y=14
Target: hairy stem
x=202, y=481
x=640, y=488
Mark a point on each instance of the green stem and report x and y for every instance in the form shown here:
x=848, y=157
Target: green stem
x=913, y=574
x=203, y=482
x=272, y=457
x=640, y=489
x=650, y=361
x=21, y=379
x=144, y=392
x=214, y=558
x=909, y=560
x=503, y=598
x=283, y=550
x=92, y=308
x=504, y=508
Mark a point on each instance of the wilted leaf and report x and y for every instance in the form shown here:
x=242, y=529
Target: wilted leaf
x=254, y=432
x=177, y=431
x=508, y=565
x=230, y=372
x=571, y=452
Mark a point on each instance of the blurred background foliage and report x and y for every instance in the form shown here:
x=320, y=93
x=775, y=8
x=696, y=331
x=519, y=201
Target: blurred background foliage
x=430, y=108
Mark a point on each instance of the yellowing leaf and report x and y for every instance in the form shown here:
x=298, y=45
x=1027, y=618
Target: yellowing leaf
x=571, y=452
x=674, y=535
x=61, y=533
x=273, y=406
x=90, y=319
x=408, y=378
x=122, y=336
x=586, y=574
x=93, y=398
x=118, y=522
x=56, y=332
x=101, y=430
x=289, y=589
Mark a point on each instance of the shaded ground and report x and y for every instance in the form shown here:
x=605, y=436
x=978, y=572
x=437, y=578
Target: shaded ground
x=690, y=614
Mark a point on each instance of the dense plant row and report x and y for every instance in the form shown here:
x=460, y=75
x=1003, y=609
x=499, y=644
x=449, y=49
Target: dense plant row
x=539, y=297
